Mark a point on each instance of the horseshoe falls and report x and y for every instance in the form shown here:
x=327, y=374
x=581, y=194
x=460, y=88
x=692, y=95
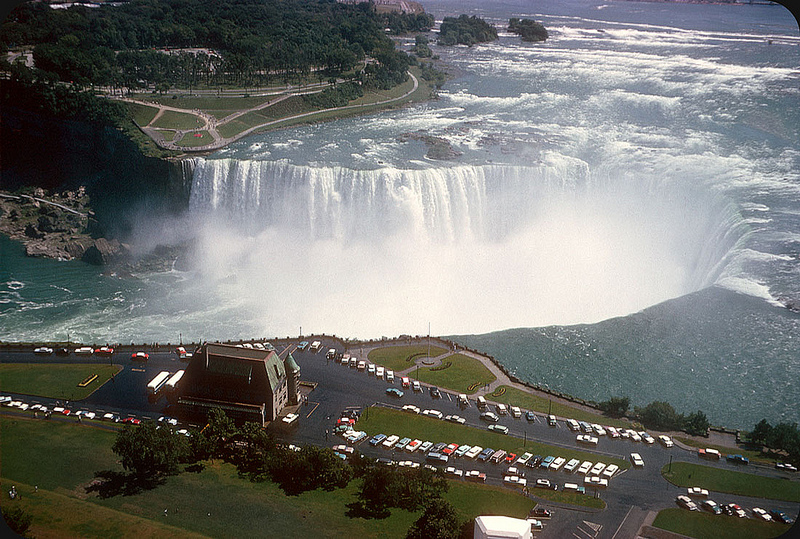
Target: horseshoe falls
x=621, y=216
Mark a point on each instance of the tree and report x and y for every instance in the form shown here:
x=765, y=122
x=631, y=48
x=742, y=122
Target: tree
x=761, y=432
x=659, y=415
x=219, y=431
x=696, y=423
x=150, y=452
x=528, y=29
x=615, y=406
x=438, y=521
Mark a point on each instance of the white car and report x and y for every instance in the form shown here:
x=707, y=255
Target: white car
x=416, y=386
x=686, y=502
x=610, y=470
x=43, y=350
x=84, y=351
x=586, y=439
x=433, y=413
x=411, y=408
x=584, y=468
x=762, y=514
x=665, y=440
x=698, y=492
x=637, y=460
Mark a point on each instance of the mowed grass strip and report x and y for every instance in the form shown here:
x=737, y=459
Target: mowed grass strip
x=529, y=401
x=54, y=380
x=703, y=525
x=387, y=421
x=461, y=376
x=686, y=474
x=397, y=358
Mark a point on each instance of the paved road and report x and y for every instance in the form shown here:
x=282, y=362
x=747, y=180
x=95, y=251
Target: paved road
x=631, y=498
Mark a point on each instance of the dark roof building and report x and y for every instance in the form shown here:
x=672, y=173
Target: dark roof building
x=247, y=384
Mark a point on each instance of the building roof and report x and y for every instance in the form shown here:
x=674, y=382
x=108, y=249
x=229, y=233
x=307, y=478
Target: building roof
x=291, y=364
x=500, y=527
x=233, y=374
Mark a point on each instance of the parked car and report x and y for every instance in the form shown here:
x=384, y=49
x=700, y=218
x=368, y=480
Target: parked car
x=394, y=392
x=43, y=350
x=686, y=502
x=435, y=393
x=587, y=439
x=637, y=460
x=711, y=506
x=780, y=516
x=502, y=429
x=761, y=514
x=489, y=416
x=545, y=483
x=697, y=492
x=140, y=356
x=530, y=416
x=738, y=459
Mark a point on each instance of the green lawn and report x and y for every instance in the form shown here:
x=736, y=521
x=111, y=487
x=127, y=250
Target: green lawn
x=387, y=421
x=528, y=401
x=685, y=474
x=142, y=114
x=55, y=380
x=703, y=525
x=401, y=357
x=465, y=374
x=190, y=141
x=177, y=120
x=61, y=458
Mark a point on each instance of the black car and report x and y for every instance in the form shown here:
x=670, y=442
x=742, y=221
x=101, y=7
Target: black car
x=435, y=393
x=541, y=512
x=62, y=351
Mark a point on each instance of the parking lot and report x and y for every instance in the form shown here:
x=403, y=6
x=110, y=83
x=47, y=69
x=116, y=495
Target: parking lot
x=631, y=495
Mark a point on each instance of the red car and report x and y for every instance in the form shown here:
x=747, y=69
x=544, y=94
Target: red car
x=143, y=356
x=131, y=421
x=449, y=449
x=104, y=351
x=511, y=457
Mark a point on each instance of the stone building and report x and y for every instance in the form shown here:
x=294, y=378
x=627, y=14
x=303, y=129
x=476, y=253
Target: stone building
x=248, y=384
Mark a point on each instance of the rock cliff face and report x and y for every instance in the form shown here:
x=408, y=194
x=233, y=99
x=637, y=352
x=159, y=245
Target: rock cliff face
x=74, y=190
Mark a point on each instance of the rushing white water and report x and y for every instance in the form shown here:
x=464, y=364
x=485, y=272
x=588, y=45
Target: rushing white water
x=467, y=248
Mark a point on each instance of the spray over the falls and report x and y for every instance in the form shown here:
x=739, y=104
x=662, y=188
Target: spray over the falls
x=467, y=248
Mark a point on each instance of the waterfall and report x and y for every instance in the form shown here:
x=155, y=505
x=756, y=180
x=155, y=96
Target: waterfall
x=551, y=242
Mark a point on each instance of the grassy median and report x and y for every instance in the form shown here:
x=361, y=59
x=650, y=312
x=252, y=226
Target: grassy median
x=707, y=526
x=685, y=474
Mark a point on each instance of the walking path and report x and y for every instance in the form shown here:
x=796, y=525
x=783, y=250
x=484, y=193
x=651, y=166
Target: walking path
x=208, y=123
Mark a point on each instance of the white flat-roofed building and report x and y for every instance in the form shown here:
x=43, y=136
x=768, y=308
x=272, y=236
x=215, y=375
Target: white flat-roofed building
x=500, y=527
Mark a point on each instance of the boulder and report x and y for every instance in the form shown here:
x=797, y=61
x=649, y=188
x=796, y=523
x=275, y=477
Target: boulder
x=102, y=252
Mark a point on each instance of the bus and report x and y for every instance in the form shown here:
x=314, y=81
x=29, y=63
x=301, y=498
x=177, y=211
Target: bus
x=170, y=384
x=158, y=382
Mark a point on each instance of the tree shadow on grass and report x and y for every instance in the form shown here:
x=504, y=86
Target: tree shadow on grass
x=360, y=509
x=110, y=483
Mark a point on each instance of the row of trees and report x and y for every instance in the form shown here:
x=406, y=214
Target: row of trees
x=150, y=453
x=658, y=415
x=253, y=41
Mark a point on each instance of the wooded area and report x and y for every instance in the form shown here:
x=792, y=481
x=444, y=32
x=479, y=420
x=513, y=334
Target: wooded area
x=187, y=43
